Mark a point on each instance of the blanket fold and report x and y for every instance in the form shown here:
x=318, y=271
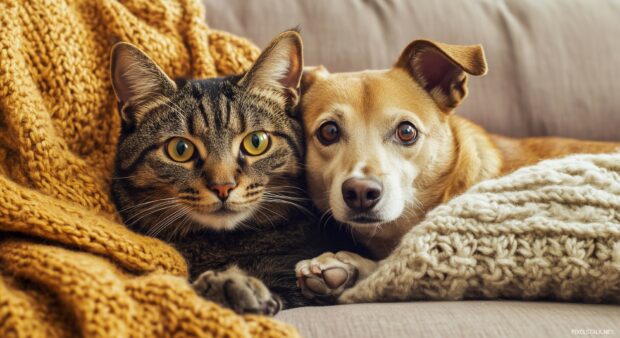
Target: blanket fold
x=67, y=266
x=550, y=231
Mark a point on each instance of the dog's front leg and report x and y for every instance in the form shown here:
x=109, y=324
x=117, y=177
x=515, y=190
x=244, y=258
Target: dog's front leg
x=327, y=276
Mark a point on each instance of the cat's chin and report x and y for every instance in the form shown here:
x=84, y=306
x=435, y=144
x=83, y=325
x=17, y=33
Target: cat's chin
x=221, y=221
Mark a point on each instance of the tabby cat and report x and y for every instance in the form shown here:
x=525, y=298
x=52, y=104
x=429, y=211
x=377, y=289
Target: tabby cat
x=213, y=166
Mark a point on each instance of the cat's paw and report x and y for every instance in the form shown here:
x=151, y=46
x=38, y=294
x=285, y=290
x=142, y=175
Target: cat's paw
x=234, y=289
x=327, y=276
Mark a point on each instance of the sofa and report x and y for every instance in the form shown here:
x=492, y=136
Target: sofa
x=553, y=70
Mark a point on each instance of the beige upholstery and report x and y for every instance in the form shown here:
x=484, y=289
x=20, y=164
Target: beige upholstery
x=554, y=66
x=456, y=319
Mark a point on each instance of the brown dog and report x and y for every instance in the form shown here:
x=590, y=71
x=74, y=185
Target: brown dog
x=384, y=147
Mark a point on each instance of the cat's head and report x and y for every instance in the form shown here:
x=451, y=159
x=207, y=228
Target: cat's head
x=212, y=154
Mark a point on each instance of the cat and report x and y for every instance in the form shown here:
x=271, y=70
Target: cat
x=214, y=167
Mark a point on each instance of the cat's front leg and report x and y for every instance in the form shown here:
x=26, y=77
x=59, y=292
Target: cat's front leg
x=327, y=276
x=235, y=289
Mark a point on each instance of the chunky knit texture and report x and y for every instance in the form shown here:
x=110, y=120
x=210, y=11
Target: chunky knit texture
x=548, y=231
x=67, y=266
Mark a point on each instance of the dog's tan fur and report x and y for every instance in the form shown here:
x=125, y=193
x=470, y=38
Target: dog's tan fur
x=425, y=85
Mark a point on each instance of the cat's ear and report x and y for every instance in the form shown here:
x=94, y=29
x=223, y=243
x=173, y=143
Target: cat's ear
x=138, y=82
x=279, y=67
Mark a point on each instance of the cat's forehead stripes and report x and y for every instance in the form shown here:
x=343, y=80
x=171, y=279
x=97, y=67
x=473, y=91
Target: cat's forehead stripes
x=207, y=112
x=213, y=114
x=217, y=112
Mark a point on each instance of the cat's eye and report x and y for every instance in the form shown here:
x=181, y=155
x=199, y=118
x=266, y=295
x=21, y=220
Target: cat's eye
x=328, y=133
x=406, y=133
x=256, y=143
x=180, y=149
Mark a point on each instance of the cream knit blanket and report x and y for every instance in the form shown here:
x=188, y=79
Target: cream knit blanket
x=550, y=231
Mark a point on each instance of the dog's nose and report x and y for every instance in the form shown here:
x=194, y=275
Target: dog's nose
x=361, y=194
x=222, y=189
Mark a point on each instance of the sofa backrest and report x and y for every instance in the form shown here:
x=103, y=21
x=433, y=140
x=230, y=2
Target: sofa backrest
x=554, y=66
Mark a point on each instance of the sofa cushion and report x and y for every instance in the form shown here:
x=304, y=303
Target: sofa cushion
x=456, y=319
x=553, y=66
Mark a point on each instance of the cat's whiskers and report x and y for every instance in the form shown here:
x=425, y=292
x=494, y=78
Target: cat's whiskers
x=177, y=228
x=295, y=205
x=323, y=199
x=131, y=221
x=260, y=210
x=184, y=226
x=292, y=197
x=163, y=224
x=283, y=199
x=303, y=191
x=157, y=227
x=270, y=196
x=283, y=217
x=244, y=225
x=149, y=207
x=146, y=203
x=327, y=213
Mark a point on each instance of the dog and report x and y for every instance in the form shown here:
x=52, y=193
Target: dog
x=384, y=147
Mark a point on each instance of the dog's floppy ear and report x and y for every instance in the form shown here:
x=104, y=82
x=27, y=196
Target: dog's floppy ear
x=441, y=69
x=310, y=75
x=279, y=67
x=137, y=81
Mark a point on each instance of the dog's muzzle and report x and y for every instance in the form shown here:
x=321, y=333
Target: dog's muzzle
x=361, y=194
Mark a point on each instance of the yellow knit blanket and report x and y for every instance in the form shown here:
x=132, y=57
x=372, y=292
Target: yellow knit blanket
x=67, y=266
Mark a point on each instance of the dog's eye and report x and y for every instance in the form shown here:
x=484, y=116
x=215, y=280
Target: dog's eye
x=406, y=133
x=328, y=133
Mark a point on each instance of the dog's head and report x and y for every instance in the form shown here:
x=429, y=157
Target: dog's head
x=373, y=136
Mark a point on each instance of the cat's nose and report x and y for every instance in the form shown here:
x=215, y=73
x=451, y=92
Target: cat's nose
x=222, y=189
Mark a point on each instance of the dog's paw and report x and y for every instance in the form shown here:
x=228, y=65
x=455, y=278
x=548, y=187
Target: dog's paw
x=234, y=289
x=325, y=277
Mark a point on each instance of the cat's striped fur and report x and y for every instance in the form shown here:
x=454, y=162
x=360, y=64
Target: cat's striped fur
x=212, y=113
x=258, y=224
